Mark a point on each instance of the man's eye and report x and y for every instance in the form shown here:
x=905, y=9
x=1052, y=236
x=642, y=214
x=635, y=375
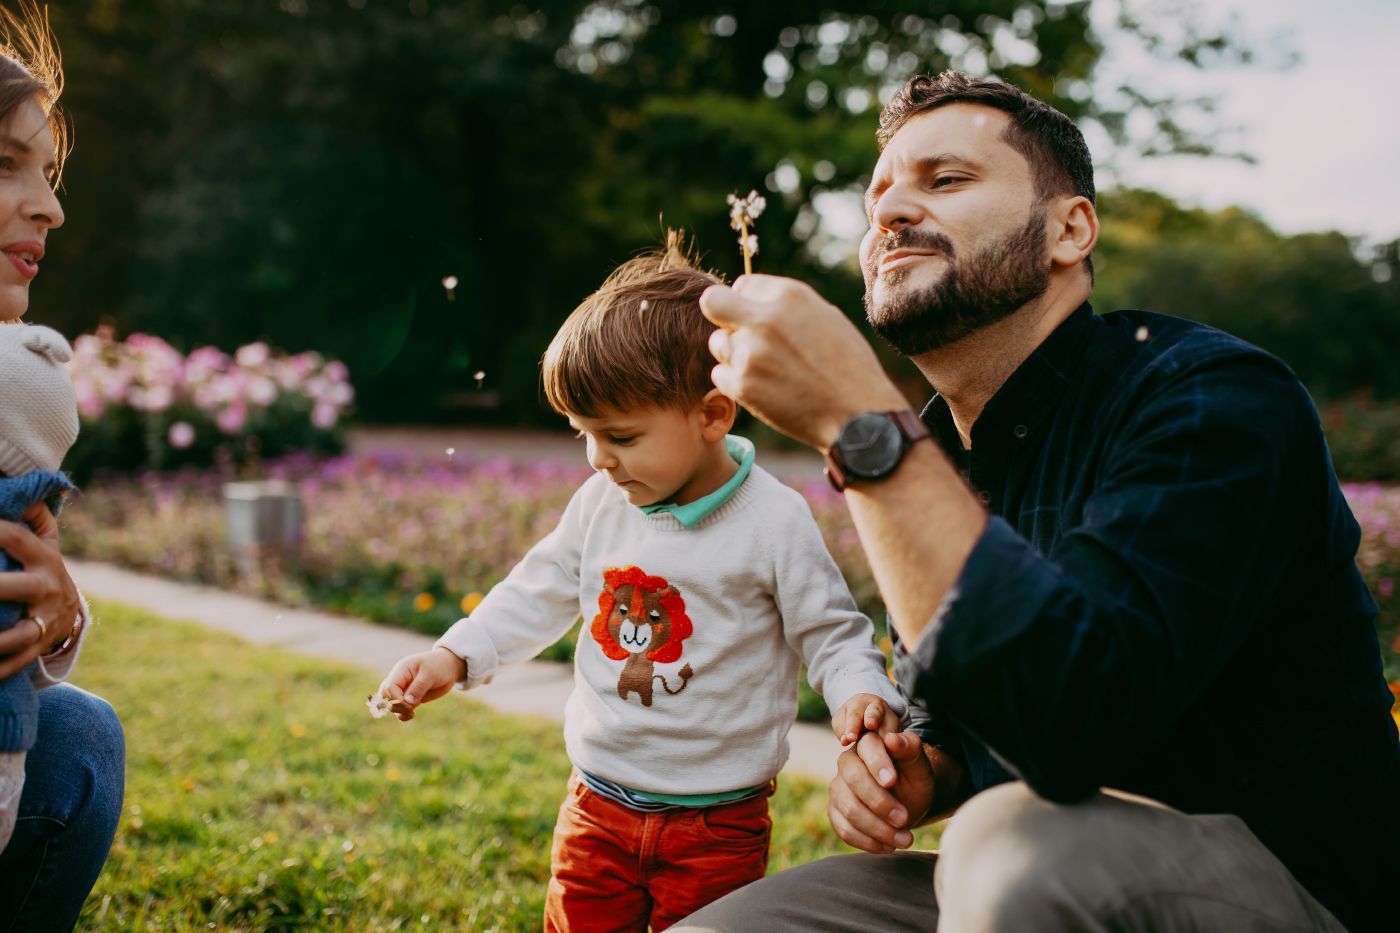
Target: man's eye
x=944, y=181
x=623, y=440
x=7, y=163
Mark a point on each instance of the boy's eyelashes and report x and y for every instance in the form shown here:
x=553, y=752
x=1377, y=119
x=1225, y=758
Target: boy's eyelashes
x=621, y=440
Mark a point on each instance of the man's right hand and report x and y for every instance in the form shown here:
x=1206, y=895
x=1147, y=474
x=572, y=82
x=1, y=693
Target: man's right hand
x=887, y=785
x=419, y=678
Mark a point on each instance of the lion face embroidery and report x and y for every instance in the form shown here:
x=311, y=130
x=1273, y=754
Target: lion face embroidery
x=642, y=620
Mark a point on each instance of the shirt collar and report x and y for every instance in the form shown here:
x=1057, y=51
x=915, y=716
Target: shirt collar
x=692, y=513
x=1031, y=393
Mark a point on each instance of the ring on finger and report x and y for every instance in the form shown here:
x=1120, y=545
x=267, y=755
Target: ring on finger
x=43, y=627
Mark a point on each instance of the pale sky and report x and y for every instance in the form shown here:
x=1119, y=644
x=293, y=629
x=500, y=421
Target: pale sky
x=1325, y=132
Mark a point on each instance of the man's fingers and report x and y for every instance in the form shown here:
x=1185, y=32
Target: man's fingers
x=854, y=773
x=725, y=307
x=877, y=759
x=854, y=837
x=860, y=818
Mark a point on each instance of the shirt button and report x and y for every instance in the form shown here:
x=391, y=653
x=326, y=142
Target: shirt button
x=1020, y=431
x=985, y=496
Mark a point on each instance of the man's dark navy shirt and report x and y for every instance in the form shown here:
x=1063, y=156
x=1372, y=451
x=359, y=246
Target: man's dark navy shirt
x=1166, y=601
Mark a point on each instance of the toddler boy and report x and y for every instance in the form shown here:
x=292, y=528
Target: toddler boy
x=705, y=583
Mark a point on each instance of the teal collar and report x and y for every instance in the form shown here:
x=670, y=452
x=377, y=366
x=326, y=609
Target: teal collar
x=692, y=513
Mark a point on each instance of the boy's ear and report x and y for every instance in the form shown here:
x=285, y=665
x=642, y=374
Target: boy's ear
x=718, y=412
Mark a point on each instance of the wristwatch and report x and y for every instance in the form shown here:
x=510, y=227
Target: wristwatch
x=871, y=446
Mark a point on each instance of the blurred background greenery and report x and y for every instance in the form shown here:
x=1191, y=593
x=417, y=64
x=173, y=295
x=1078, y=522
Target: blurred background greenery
x=307, y=172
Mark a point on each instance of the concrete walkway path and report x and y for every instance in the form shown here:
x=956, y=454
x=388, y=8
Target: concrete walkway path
x=533, y=688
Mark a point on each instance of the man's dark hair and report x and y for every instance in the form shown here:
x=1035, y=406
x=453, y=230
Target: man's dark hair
x=1052, y=144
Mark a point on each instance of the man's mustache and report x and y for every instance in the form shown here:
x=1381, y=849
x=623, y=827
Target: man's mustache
x=908, y=238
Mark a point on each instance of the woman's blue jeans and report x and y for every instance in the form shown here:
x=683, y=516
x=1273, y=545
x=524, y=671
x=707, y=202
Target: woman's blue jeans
x=75, y=778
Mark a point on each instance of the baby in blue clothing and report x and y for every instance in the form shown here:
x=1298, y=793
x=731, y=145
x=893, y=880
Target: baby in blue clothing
x=38, y=423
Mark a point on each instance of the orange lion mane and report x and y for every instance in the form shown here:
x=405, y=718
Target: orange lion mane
x=681, y=628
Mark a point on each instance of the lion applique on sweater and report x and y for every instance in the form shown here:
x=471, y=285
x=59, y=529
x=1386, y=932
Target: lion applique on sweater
x=641, y=620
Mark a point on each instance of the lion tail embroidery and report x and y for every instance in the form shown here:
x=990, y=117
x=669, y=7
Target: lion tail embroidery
x=685, y=673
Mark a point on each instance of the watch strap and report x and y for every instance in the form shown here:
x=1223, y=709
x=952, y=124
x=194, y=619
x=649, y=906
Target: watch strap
x=911, y=428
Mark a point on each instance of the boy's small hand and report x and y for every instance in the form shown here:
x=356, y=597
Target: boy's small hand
x=864, y=712
x=421, y=678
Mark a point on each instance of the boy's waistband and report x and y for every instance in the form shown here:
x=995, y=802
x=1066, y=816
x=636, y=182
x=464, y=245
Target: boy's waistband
x=635, y=800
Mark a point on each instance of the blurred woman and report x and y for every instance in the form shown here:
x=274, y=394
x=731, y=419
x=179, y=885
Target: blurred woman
x=74, y=774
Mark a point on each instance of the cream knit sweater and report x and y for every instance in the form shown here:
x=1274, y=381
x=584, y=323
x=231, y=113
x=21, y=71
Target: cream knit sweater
x=685, y=678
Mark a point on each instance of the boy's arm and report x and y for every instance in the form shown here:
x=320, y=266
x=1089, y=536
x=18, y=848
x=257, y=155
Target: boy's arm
x=532, y=607
x=821, y=621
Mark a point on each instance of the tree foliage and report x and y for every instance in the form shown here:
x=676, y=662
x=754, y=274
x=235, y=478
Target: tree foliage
x=1309, y=299
x=308, y=171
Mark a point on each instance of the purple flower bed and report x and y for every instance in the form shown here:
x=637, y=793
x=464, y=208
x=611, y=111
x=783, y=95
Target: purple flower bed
x=414, y=543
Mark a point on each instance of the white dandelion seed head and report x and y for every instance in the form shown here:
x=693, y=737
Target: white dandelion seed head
x=1142, y=334
x=645, y=304
x=743, y=211
x=752, y=244
x=378, y=706
x=449, y=282
x=480, y=375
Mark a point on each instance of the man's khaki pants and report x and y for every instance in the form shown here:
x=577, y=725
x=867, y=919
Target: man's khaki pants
x=1012, y=861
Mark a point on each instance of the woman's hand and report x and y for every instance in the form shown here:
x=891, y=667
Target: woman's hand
x=43, y=585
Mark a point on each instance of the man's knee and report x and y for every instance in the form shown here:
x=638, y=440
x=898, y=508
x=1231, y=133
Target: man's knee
x=1010, y=857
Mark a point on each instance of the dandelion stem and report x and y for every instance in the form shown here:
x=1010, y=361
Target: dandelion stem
x=744, y=242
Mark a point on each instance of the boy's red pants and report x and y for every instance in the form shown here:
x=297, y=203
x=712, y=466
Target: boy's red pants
x=615, y=869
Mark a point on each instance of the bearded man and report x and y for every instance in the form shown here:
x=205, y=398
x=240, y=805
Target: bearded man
x=1121, y=574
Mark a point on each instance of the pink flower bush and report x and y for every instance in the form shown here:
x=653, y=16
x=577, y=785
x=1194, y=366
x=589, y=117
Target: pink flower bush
x=146, y=374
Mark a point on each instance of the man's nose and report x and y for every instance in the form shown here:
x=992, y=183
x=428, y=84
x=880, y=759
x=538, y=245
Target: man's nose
x=897, y=208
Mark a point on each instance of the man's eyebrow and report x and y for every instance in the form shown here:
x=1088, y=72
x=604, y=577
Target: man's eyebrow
x=9, y=142
x=921, y=166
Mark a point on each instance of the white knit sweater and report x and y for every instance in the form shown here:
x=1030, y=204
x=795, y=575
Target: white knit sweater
x=707, y=712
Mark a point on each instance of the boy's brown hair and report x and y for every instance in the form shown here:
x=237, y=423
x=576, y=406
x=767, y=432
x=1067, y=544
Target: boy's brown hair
x=638, y=341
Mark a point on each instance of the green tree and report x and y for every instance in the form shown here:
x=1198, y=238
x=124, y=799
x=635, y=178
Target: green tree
x=308, y=171
x=1332, y=315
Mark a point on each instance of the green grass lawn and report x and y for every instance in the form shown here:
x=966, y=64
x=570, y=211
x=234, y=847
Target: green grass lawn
x=262, y=796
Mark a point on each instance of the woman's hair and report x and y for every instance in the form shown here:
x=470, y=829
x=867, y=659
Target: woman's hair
x=31, y=68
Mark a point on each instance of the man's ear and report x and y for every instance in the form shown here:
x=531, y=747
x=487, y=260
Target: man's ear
x=1075, y=228
x=717, y=414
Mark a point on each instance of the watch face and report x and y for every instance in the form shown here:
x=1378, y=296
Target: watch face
x=870, y=445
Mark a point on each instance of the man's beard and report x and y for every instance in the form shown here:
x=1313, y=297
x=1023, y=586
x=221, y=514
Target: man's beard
x=982, y=289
